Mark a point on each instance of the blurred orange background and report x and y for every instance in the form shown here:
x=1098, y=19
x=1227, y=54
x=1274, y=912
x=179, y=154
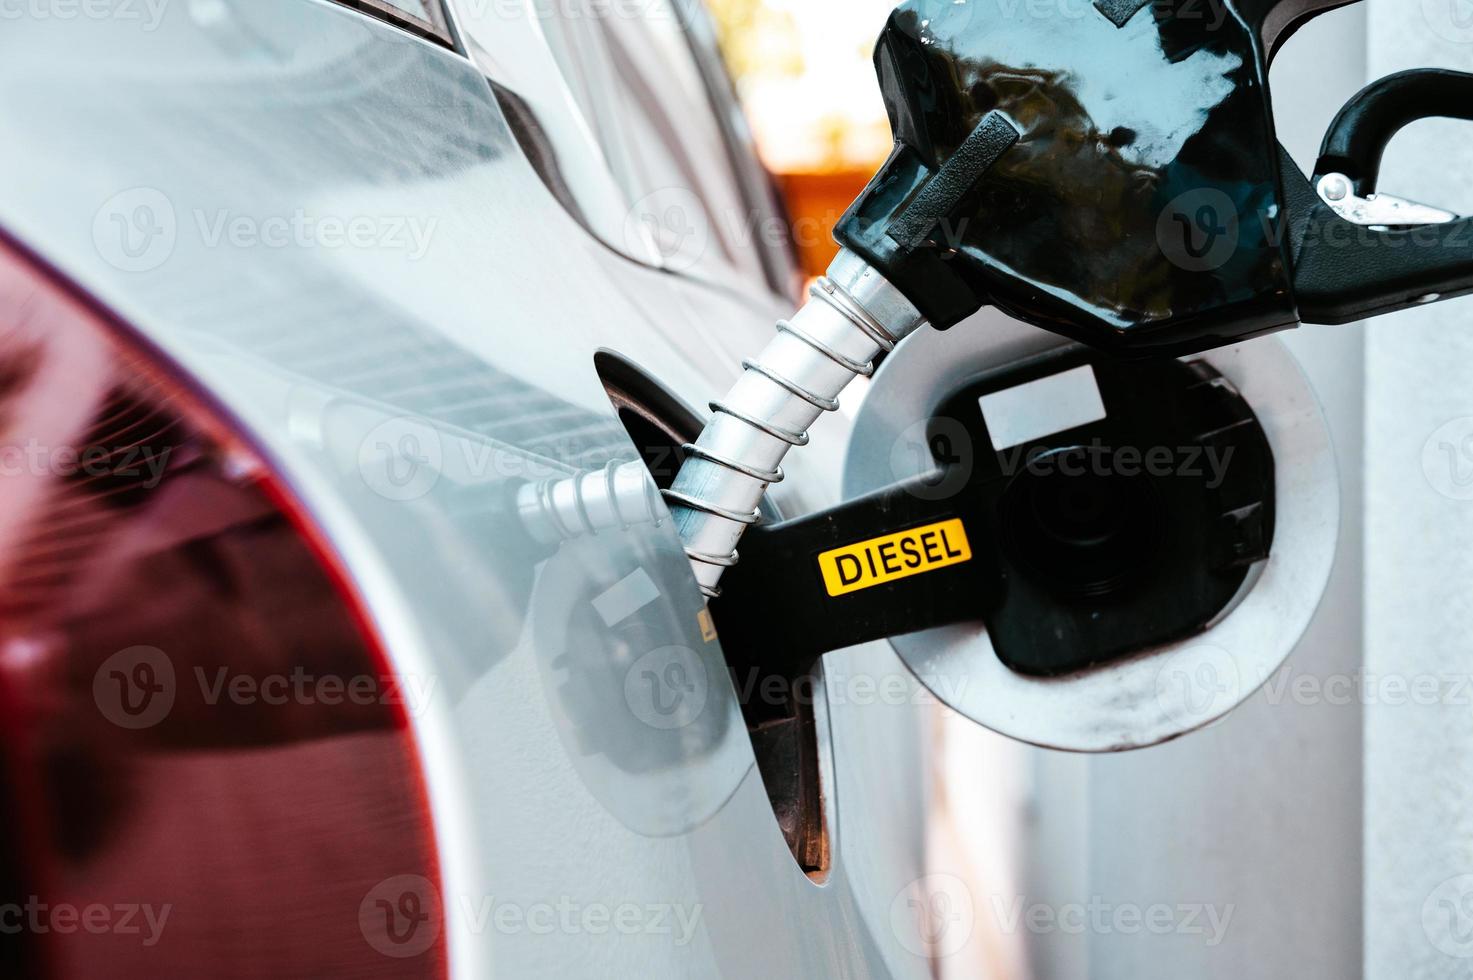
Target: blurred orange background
x=805, y=73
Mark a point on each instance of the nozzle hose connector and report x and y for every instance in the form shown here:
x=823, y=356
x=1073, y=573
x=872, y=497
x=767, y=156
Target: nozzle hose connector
x=615, y=498
x=852, y=316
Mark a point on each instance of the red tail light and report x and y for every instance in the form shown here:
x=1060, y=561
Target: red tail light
x=206, y=766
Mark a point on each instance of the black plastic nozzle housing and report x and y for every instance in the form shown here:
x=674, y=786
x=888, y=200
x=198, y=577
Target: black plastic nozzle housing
x=1099, y=170
x=1109, y=170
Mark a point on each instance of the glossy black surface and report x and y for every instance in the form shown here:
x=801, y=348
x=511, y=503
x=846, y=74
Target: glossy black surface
x=1140, y=206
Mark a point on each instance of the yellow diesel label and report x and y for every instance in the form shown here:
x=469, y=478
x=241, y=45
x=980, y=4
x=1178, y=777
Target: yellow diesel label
x=895, y=556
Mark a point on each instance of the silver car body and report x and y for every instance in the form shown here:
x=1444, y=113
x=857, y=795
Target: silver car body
x=394, y=375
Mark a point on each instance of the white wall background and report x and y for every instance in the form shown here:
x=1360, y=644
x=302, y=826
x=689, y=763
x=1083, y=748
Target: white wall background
x=1419, y=555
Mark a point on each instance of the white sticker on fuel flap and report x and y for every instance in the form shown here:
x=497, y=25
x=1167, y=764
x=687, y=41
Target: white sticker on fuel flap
x=1040, y=408
x=627, y=596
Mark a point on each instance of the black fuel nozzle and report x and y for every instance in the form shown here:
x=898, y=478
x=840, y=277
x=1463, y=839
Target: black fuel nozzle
x=1109, y=170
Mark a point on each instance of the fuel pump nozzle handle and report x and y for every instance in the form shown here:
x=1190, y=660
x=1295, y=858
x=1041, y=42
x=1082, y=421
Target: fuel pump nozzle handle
x=1111, y=172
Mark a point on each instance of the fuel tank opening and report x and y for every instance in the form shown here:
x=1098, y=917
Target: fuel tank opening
x=784, y=730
